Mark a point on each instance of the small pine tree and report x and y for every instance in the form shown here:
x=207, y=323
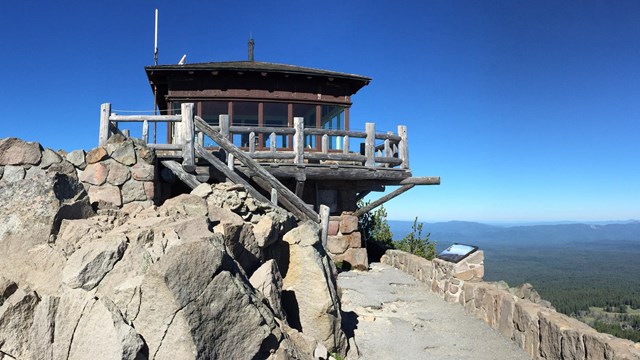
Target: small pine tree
x=375, y=228
x=415, y=244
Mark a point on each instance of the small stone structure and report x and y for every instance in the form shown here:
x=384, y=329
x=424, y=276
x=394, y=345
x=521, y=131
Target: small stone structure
x=519, y=314
x=119, y=173
x=345, y=243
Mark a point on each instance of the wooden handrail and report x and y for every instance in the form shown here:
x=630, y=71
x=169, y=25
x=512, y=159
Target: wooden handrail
x=299, y=206
x=392, y=152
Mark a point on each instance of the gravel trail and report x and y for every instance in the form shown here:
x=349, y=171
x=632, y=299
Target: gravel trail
x=395, y=317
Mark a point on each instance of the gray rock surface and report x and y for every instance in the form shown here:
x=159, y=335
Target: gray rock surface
x=309, y=292
x=423, y=325
x=13, y=173
x=49, y=157
x=32, y=212
x=76, y=157
x=87, y=266
x=268, y=281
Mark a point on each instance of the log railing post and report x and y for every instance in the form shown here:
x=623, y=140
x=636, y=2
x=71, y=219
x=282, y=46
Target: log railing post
x=345, y=145
x=272, y=143
x=325, y=143
x=105, y=111
x=188, y=135
x=230, y=162
x=200, y=138
x=274, y=196
x=252, y=142
x=145, y=131
x=403, y=147
x=370, y=144
x=324, y=224
x=223, y=120
x=298, y=140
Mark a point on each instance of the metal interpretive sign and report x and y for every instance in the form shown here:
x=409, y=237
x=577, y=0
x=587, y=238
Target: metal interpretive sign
x=457, y=252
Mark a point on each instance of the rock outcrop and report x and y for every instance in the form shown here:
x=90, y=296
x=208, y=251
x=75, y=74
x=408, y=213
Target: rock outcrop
x=309, y=292
x=201, y=277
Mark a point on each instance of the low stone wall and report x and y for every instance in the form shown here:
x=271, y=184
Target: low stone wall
x=538, y=329
x=344, y=242
x=122, y=172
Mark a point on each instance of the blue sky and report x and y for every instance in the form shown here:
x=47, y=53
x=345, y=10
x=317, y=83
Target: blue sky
x=528, y=110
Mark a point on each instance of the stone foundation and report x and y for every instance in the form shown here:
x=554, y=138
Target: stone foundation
x=538, y=329
x=345, y=244
x=122, y=172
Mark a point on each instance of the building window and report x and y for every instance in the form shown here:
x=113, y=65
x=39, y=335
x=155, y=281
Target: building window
x=211, y=111
x=333, y=118
x=308, y=112
x=245, y=113
x=275, y=115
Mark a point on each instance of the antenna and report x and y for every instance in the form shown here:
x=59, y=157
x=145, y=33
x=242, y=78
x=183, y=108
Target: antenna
x=155, y=48
x=251, y=45
x=183, y=60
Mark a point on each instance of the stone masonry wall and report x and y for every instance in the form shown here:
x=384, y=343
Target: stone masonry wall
x=122, y=172
x=519, y=315
x=344, y=242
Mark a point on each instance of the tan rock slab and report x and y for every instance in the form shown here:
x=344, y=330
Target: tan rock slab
x=95, y=174
x=97, y=154
x=14, y=151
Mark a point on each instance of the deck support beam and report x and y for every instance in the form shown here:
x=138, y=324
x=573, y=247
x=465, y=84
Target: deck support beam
x=189, y=179
x=382, y=200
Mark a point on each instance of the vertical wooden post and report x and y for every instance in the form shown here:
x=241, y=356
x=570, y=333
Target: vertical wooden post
x=145, y=131
x=274, y=196
x=325, y=143
x=272, y=142
x=403, y=147
x=224, y=125
x=105, y=111
x=224, y=130
x=177, y=133
x=298, y=140
x=230, y=161
x=252, y=142
x=345, y=145
x=370, y=144
x=387, y=148
x=324, y=224
x=188, y=134
x=200, y=138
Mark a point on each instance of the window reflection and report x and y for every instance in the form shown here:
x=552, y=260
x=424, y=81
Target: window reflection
x=245, y=113
x=308, y=112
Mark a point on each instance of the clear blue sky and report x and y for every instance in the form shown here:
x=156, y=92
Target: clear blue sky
x=528, y=110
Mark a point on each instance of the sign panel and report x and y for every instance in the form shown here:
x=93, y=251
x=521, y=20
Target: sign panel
x=457, y=252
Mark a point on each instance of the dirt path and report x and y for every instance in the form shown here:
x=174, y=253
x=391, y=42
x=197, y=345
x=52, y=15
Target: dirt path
x=395, y=317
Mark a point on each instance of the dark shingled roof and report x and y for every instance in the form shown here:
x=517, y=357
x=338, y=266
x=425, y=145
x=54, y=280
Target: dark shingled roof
x=258, y=66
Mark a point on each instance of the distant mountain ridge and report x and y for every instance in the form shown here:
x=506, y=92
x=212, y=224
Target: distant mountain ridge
x=490, y=236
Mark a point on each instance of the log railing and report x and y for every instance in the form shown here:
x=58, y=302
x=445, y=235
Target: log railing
x=376, y=150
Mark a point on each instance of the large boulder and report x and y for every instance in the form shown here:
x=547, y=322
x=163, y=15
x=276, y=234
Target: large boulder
x=309, y=292
x=32, y=212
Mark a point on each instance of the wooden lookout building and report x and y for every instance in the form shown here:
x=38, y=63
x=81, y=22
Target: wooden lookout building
x=282, y=130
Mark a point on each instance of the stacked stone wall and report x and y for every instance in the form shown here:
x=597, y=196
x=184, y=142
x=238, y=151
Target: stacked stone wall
x=119, y=173
x=344, y=242
x=518, y=314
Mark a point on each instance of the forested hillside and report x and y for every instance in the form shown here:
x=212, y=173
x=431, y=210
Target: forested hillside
x=587, y=271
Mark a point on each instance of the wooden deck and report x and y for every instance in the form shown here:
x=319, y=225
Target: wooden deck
x=382, y=159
